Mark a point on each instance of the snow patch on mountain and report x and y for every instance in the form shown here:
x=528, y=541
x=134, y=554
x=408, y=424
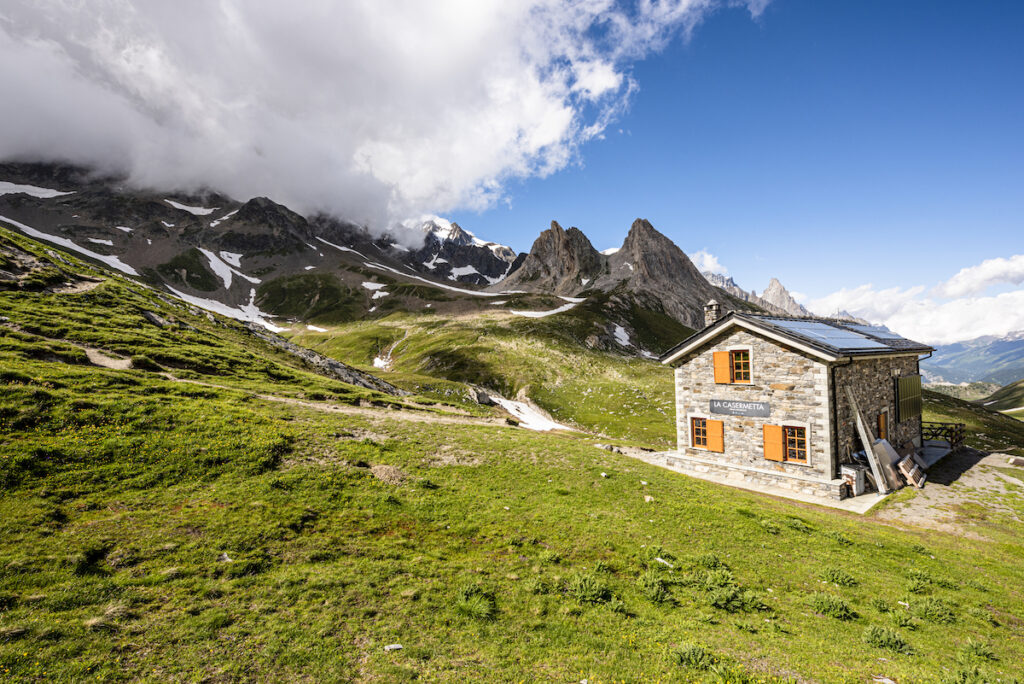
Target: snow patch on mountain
x=232, y=258
x=552, y=312
x=225, y=217
x=224, y=271
x=528, y=416
x=247, y=312
x=195, y=211
x=111, y=261
x=622, y=337
x=7, y=188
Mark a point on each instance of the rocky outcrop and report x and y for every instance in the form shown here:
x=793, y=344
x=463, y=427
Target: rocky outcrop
x=325, y=365
x=451, y=253
x=561, y=262
x=779, y=297
x=648, y=267
x=729, y=285
x=654, y=266
x=260, y=226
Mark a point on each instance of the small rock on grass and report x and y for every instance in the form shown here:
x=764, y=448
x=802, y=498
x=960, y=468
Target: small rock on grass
x=388, y=474
x=393, y=647
x=648, y=498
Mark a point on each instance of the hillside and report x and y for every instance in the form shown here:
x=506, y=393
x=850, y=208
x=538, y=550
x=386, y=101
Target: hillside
x=229, y=512
x=1009, y=399
x=987, y=359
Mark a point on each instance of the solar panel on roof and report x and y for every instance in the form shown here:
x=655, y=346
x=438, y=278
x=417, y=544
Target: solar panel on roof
x=823, y=332
x=879, y=331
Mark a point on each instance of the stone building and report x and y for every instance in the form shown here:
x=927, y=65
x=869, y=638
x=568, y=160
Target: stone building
x=763, y=398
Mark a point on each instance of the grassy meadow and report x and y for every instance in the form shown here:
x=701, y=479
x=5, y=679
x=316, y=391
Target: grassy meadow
x=221, y=513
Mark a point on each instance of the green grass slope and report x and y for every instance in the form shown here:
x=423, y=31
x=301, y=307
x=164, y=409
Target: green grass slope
x=1009, y=398
x=156, y=530
x=987, y=430
x=621, y=396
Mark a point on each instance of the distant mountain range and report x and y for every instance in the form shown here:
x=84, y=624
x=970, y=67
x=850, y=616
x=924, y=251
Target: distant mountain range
x=259, y=260
x=775, y=299
x=986, y=359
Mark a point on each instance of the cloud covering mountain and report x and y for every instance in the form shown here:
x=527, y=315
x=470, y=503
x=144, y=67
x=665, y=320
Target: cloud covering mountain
x=374, y=111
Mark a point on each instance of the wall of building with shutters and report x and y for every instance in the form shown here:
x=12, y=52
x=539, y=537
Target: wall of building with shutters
x=873, y=382
x=795, y=386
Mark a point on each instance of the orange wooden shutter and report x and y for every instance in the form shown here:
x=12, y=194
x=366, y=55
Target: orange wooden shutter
x=716, y=436
x=722, y=374
x=773, y=443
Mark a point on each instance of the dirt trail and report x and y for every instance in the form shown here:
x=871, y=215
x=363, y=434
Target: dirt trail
x=78, y=287
x=407, y=414
x=98, y=358
x=960, y=488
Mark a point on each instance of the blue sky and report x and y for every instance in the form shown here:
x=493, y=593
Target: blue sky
x=830, y=144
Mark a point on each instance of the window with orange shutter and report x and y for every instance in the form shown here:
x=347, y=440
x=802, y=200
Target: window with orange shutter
x=699, y=431
x=739, y=364
x=732, y=367
x=796, y=443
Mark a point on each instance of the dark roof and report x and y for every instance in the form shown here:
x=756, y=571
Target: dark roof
x=831, y=336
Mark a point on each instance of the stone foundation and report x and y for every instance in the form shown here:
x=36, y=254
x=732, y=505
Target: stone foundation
x=750, y=476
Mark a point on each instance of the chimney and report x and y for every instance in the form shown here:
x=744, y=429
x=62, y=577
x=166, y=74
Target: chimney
x=712, y=310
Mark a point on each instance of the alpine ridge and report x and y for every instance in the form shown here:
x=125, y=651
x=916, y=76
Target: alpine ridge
x=649, y=269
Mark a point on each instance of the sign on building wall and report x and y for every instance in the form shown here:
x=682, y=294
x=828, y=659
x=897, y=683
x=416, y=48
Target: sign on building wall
x=752, y=409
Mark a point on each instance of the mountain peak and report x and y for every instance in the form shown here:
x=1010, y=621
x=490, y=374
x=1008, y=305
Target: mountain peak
x=777, y=295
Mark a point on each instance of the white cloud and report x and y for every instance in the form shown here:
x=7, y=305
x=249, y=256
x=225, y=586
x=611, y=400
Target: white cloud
x=706, y=261
x=976, y=279
x=370, y=110
x=927, y=319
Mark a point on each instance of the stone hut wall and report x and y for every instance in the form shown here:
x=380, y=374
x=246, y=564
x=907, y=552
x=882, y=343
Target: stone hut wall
x=795, y=386
x=873, y=383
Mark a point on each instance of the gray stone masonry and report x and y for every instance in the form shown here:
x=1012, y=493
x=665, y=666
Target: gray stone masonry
x=799, y=391
x=873, y=384
x=794, y=386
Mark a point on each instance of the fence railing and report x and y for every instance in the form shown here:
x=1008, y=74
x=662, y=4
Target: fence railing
x=953, y=433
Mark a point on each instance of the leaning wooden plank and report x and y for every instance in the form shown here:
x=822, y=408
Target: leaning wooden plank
x=887, y=460
x=868, y=441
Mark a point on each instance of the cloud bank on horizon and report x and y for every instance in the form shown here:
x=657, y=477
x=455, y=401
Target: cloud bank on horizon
x=374, y=110
x=966, y=306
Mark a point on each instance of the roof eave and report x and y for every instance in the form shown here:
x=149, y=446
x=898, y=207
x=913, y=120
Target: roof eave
x=697, y=339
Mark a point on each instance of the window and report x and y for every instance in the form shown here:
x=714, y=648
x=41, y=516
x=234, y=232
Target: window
x=883, y=425
x=739, y=361
x=732, y=367
x=700, y=432
x=785, y=443
x=707, y=434
x=796, y=443
x=908, y=397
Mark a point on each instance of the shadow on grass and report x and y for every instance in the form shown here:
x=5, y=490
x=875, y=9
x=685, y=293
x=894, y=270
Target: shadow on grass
x=954, y=465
